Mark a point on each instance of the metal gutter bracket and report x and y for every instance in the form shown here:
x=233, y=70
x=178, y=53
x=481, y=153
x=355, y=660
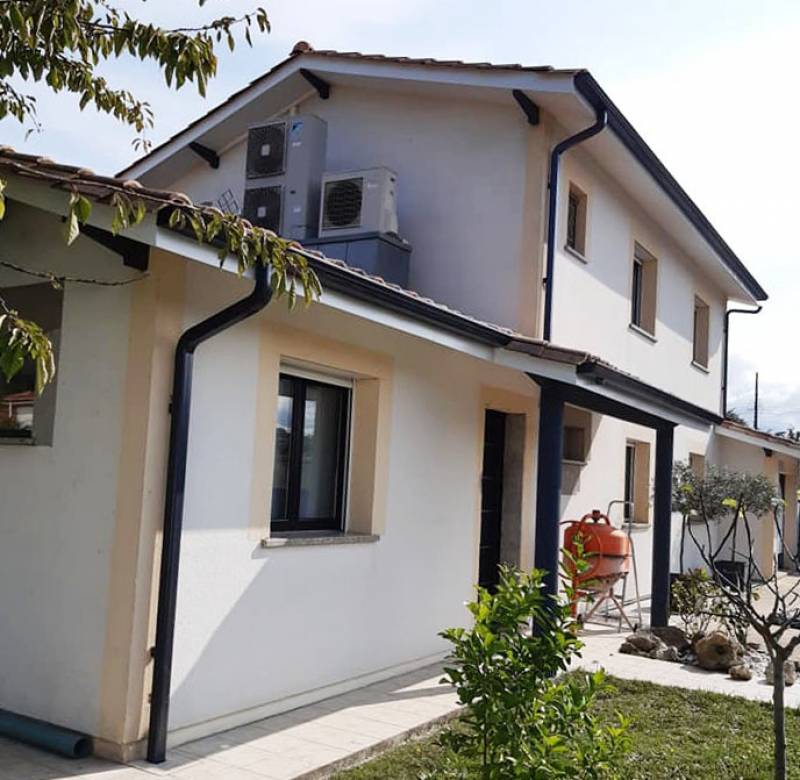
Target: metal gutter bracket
x=323, y=87
x=209, y=155
x=529, y=108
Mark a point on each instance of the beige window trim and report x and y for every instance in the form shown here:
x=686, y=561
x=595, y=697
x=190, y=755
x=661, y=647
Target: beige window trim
x=644, y=290
x=370, y=374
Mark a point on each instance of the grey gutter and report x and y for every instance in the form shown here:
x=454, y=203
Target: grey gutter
x=593, y=93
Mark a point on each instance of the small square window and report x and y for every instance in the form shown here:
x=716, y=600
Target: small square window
x=576, y=220
x=574, y=444
x=700, y=333
x=697, y=463
x=644, y=290
x=311, y=455
x=24, y=416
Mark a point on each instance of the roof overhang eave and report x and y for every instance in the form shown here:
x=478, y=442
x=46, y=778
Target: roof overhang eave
x=589, y=91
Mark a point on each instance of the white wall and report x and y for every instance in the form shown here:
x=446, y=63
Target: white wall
x=58, y=507
x=461, y=182
x=256, y=625
x=592, y=308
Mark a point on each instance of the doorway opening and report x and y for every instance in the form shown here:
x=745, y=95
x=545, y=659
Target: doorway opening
x=501, y=495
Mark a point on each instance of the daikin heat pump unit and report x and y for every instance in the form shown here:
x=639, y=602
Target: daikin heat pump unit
x=285, y=162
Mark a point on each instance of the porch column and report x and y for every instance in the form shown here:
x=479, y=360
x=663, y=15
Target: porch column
x=548, y=484
x=662, y=527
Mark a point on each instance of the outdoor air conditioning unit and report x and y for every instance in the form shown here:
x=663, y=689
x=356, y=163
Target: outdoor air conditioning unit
x=358, y=202
x=284, y=165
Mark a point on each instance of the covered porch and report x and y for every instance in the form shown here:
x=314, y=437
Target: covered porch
x=601, y=389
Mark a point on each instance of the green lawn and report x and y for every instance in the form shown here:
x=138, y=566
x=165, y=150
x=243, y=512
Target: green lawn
x=676, y=735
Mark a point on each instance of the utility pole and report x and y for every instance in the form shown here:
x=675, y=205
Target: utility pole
x=755, y=405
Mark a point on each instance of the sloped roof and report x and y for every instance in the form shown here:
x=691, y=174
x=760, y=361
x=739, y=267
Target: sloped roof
x=335, y=274
x=769, y=438
x=301, y=48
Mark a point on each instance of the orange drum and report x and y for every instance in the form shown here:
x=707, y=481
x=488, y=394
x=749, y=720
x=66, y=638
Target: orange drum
x=606, y=550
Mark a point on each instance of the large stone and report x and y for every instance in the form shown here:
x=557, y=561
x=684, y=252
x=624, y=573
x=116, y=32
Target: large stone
x=673, y=636
x=789, y=673
x=716, y=652
x=668, y=653
x=740, y=672
x=644, y=642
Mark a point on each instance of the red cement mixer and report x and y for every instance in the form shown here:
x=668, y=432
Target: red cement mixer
x=606, y=551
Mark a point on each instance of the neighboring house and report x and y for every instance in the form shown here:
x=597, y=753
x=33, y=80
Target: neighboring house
x=354, y=468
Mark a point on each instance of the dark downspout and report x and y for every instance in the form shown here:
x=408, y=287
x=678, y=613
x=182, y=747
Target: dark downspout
x=552, y=209
x=173, y=501
x=725, y=339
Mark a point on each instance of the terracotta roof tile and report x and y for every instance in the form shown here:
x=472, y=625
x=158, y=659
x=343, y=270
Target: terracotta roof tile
x=302, y=48
x=100, y=188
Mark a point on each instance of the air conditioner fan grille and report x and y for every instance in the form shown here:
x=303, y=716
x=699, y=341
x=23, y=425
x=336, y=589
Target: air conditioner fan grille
x=343, y=201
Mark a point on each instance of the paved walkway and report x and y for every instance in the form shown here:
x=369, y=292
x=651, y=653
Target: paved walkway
x=601, y=650
x=309, y=743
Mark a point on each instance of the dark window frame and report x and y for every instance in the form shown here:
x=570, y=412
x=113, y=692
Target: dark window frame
x=577, y=207
x=573, y=204
x=629, y=490
x=293, y=522
x=637, y=292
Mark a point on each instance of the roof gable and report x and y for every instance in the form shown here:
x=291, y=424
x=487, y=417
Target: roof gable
x=571, y=95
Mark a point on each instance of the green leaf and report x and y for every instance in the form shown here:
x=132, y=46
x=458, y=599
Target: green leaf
x=71, y=228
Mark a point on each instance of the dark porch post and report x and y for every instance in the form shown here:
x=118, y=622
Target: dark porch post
x=548, y=485
x=662, y=527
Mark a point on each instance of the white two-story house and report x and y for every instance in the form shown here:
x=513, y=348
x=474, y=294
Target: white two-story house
x=522, y=319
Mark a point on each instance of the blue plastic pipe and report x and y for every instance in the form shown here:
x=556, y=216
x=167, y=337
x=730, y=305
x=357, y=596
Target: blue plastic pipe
x=47, y=736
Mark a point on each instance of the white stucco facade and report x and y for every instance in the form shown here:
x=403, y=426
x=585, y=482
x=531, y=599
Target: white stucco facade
x=59, y=500
x=264, y=625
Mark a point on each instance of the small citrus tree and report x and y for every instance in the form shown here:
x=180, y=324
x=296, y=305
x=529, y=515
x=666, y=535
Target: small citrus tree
x=524, y=717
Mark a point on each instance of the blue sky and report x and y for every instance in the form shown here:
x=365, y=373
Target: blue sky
x=710, y=85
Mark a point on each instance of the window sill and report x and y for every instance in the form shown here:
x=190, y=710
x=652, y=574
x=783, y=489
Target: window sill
x=643, y=333
x=576, y=254
x=700, y=367
x=316, y=538
x=16, y=441
x=570, y=462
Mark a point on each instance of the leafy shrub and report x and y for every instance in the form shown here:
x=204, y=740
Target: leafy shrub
x=521, y=720
x=693, y=599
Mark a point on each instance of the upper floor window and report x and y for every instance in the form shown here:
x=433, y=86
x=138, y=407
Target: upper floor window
x=311, y=454
x=26, y=417
x=644, y=290
x=576, y=220
x=697, y=463
x=700, y=333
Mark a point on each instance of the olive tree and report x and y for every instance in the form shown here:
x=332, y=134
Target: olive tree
x=756, y=597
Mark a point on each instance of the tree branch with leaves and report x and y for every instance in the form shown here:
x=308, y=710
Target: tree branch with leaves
x=63, y=43
x=755, y=597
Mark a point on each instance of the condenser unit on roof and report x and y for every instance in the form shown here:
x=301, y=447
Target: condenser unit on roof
x=283, y=169
x=363, y=201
